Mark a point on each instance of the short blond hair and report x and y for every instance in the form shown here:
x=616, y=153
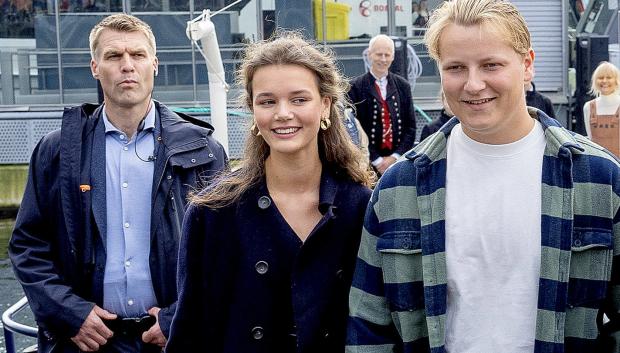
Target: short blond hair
x=604, y=68
x=500, y=14
x=381, y=37
x=122, y=23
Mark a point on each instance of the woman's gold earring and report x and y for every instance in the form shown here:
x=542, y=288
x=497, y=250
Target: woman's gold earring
x=325, y=123
x=255, y=129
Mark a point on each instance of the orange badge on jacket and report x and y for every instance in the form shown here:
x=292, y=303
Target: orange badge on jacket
x=84, y=187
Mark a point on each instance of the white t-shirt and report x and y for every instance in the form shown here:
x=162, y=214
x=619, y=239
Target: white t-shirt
x=605, y=105
x=493, y=217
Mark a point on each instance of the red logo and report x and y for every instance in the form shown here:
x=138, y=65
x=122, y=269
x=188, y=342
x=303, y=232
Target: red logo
x=365, y=8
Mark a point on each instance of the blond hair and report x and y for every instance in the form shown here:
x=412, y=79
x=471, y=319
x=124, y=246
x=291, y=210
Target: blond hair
x=604, y=68
x=337, y=152
x=122, y=23
x=502, y=15
x=380, y=37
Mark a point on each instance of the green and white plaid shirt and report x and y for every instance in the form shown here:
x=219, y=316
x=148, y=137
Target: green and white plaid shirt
x=399, y=292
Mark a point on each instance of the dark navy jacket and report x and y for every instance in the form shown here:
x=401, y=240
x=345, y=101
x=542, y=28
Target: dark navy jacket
x=366, y=99
x=57, y=247
x=434, y=126
x=231, y=281
x=535, y=99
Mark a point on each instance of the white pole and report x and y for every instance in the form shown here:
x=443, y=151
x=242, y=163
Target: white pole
x=204, y=30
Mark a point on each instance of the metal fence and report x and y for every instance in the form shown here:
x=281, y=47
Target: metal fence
x=21, y=131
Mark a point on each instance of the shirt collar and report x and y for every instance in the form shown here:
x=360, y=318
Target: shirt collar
x=380, y=80
x=327, y=190
x=148, y=123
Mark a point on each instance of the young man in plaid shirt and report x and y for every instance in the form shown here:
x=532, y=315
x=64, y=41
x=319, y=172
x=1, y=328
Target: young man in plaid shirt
x=499, y=233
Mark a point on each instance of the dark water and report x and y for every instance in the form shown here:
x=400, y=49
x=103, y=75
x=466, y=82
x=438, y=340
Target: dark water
x=10, y=290
x=6, y=226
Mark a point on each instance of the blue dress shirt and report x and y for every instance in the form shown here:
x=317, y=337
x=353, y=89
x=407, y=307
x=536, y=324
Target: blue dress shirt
x=128, y=288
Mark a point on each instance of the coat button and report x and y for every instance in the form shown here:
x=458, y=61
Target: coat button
x=261, y=267
x=48, y=335
x=193, y=160
x=577, y=242
x=257, y=333
x=264, y=202
x=169, y=177
x=210, y=155
x=340, y=274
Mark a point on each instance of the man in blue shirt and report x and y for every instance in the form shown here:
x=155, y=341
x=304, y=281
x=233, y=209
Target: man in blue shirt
x=95, y=242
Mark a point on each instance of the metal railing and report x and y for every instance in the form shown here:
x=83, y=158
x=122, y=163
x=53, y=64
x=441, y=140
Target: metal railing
x=11, y=326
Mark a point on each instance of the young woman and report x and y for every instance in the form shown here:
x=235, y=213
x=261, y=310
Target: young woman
x=602, y=114
x=267, y=253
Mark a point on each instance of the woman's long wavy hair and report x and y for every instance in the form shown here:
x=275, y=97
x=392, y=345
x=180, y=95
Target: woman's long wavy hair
x=336, y=151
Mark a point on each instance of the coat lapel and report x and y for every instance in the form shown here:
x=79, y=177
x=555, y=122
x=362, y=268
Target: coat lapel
x=391, y=89
x=98, y=174
x=372, y=88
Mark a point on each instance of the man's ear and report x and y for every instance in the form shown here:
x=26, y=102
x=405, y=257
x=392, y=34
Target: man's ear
x=156, y=66
x=528, y=61
x=94, y=69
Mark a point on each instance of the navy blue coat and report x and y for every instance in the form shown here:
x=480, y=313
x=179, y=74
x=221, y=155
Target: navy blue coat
x=535, y=99
x=434, y=126
x=367, y=101
x=57, y=247
x=236, y=294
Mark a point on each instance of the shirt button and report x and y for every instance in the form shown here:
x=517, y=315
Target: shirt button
x=261, y=267
x=257, y=333
x=210, y=155
x=193, y=160
x=125, y=148
x=125, y=185
x=264, y=202
x=121, y=136
x=126, y=225
x=127, y=263
x=169, y=177
x=577, y=242
x=130, y=302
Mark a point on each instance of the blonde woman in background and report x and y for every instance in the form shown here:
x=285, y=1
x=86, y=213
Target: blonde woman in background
x=602, y=114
